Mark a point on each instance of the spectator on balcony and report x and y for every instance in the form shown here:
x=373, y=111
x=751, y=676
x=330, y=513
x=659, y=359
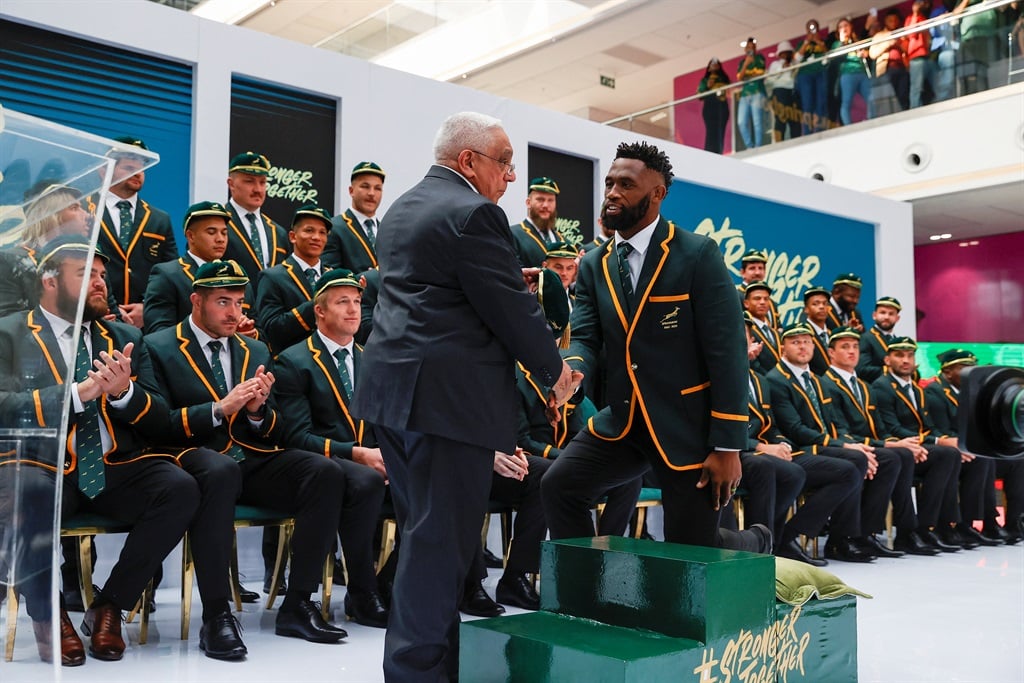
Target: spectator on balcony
x=784, y=104
x=853, y=72
x=977, y=45
x=918, y=51
x=812, y=80
x=716, y=106
x=750, y=105
x=887, y=53
x=944, y=47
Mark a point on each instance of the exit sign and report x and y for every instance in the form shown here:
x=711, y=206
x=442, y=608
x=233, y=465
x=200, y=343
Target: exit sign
x=608, y=82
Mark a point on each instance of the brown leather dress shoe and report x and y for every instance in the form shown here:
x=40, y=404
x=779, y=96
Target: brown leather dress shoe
x=72, y=652
x=103, y=624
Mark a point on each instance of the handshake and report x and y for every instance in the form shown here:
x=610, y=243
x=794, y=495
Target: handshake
x=568, y=383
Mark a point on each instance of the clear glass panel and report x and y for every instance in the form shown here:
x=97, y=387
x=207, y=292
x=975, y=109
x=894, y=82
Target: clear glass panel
x=52, y=178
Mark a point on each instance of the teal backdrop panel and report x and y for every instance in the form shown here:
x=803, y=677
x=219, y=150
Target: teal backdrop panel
x=805, y=247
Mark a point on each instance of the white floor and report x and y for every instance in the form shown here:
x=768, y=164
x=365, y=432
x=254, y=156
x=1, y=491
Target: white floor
x=955, y=617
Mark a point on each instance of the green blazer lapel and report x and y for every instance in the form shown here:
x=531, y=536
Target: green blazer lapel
x=298, y=277
x=907, y=402
x=240, y=229
x=360, y=235
x=795, y=383
x=329, y=368
x=142, y=214
x=880, y=339
x=188, y=266
x=272, y=229
x=532, y=232
x=106, y=224
x=845, y=388
x=947, y=391
x=194, y=356
x=610, y=268
x=240, y=370
x=47, y=340
x=652, y=260
x=767, y=340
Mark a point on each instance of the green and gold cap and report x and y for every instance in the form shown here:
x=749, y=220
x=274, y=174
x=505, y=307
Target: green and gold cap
x=543, y=184
x=848, y=279
x=67, y=245
x=338, y=277
x=755, y=285
x=367, y=167
x=118, y=152
x=815, y=289
x=754, y=256
x=251, y=163
x=560, y=250
x=902, y=344
x=956, y=357
x=843, y=332
x=220, y=274
x=795, y=330
x=314, y=211
x=200, y=209
x=553, y=301
x=890, y=301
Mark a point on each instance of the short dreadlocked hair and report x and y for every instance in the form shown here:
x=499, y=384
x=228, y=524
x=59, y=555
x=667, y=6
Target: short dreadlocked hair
x=653, y=158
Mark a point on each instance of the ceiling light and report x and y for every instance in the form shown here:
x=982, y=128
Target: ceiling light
x=964, y=244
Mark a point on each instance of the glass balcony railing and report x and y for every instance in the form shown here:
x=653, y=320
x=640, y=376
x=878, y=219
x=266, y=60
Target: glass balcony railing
x=788, y=92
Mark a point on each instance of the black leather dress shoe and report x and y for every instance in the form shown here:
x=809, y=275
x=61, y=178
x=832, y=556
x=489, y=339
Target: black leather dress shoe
x=950, y=536
x=492, y=561
x=477, y=603
x=969, y=533
x=1007, y=534
x=939, y=542
x=872, y=545
x=220, y=637
x=366, y=608
x=793, y=551
x=246, y=595
x=845, y=550
x=339, y=573
x=73, y=599
x=304, y=621
x=517, y=590
x=282, y=587
x=912, y=544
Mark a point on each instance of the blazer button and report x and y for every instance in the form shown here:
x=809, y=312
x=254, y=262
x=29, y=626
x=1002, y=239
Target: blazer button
x=634, y=366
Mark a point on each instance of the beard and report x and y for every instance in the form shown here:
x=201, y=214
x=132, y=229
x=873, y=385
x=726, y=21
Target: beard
x=628, y=217
x=885, y=327
x=544, y=224
x=67, y=306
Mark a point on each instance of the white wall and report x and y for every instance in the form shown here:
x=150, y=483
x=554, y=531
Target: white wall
x=391, y=117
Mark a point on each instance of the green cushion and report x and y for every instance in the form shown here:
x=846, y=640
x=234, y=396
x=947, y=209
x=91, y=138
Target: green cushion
x=797, y=582
x=252, y=513
x=649, y=494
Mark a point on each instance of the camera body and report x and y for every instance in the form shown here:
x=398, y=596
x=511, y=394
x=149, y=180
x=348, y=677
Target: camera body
x=991, y=411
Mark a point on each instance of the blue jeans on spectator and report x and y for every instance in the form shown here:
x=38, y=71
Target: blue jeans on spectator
x=920, y=71
x=750, y=109
x=850, y=85
x=813, y=99
x=943, y=74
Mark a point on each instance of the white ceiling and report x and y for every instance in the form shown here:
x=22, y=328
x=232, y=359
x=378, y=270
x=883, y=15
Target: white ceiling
x=643, y=46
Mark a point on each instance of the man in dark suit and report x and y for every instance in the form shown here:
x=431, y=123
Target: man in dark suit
x=353, y=238
x=815, y=316
x=255, y=241
x=602, y=236
x=217, y=385
x=804, y=413
x=661, y=302
x=284, y=296
x=843, y=302
x=116, y=415
x=452, y=317
x=757, y=301
x=135, y=235
x=537, y=230
x=942, y=396
x=874, y=344
x=315, y=380
x=170, y=284
x=853, y=414
x=903, y=413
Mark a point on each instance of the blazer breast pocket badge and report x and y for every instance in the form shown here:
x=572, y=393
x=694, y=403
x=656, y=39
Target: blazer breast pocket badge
x=670, y=320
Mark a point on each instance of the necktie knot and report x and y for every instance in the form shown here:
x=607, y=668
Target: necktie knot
x=312, y=275
x=124, y=204
x=216, y=346
x=340, y=355
x=625, y=249
x=255, y=238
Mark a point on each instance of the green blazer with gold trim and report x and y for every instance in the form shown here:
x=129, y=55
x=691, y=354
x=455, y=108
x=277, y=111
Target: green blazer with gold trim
x=531, y=248
x=873, y=349
x=854, y=420
x=773, y=308
x=899, y=416
x=798, y=420
x=676, y=357
x=309, y=391
x=348, y=246
x=536, y=435
x=240, y=247
x=943, y=402
x=186, y=380
x=152, y=242
x=167, y=294
x=761, y=427
x=32, y=373
x=284, y=301
x=770, y=354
